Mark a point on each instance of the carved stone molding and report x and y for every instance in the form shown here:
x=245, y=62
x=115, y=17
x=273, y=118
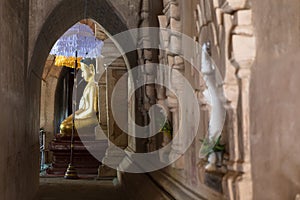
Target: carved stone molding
x=173, y=21
x=228, y=26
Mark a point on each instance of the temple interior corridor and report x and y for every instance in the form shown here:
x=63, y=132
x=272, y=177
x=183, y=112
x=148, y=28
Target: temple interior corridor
x=158, y=99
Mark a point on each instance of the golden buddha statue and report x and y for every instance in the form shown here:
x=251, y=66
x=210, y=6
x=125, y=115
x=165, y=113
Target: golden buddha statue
x=86, y=115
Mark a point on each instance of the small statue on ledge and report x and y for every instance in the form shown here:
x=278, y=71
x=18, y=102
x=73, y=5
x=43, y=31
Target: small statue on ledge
x=211, y=146
x=86, y=115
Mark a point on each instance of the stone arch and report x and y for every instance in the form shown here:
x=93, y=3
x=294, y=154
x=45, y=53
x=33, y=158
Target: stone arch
x=63, y=16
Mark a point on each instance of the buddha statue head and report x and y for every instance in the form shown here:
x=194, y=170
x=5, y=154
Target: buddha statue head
x=88, y=72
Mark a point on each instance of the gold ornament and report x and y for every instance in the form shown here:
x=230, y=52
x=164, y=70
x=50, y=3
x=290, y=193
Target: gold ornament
x=61, y=61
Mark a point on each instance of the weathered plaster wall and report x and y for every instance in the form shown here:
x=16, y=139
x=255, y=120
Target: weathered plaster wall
x=19, y=130
x=38, y=13
x=47, y=109
x=275, y=105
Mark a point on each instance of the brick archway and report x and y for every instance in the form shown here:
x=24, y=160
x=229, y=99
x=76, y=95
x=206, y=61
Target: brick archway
x=63, y=16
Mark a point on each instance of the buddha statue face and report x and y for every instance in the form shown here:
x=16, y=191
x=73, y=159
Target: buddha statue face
x=87, y=72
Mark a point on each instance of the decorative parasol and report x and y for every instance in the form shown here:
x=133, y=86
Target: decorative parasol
x=61, y=61
x=78, y=42
x=79, y=38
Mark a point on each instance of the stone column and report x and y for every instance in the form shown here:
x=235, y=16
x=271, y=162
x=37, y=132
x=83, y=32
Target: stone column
x=174, y=60
x=48, y=87
x=115, y=67
x=101, y=98
x=147, y=56
x=109, y=159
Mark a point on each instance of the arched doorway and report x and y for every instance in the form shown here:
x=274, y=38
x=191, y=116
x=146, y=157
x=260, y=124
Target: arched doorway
x=56, y=105
x=55, y=25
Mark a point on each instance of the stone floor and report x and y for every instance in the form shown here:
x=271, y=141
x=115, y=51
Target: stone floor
x=87, y=189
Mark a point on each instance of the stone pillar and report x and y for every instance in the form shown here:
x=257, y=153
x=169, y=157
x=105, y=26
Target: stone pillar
x=117, y=138
x=49, y=83
x=173, y=42
x=101, y=97
x=162, y=76
x=176, y=148
x=114, y=66
x=146, y=57
x=104, y=170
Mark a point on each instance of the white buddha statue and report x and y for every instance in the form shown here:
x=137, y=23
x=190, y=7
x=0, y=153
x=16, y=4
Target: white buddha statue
x=86, y=115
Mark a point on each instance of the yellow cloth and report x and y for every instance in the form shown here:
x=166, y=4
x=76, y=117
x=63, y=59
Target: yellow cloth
x=66, y=61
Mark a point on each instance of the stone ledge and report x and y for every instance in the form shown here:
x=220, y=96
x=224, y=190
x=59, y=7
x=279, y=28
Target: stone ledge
x=230, y=6
x=246, y=30
x=178, y=191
